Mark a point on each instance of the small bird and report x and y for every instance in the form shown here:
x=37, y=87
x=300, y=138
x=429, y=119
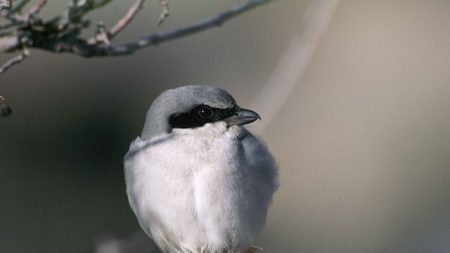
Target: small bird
x=196, y=179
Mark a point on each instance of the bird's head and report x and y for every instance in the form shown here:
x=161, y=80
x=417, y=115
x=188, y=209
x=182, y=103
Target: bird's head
x=193, y=106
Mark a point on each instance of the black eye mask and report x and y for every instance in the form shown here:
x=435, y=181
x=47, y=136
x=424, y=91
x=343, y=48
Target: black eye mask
x=199, y=116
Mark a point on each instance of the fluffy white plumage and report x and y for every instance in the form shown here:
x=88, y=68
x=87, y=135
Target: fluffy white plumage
x=201, y=190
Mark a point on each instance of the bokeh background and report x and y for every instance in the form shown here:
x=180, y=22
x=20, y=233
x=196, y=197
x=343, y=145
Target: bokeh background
x=362, y=140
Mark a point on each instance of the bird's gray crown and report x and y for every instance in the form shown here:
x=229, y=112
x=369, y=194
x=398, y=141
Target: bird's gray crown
x=181, y=100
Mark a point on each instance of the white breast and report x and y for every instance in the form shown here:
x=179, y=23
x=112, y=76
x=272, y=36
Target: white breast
x=201, y=190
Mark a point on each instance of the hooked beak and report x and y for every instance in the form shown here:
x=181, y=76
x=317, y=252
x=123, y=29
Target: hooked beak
x=242, y=117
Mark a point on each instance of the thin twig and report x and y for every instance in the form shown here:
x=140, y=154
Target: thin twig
x=13, y=61
x=164, y=11
x=62, y=33
x=122, y=23
x=160, y=37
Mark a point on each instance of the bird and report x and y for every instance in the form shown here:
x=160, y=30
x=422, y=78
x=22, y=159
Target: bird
x=196, y=179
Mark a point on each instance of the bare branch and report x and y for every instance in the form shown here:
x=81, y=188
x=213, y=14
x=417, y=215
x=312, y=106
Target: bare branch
x=160, y=37
x=62, y=33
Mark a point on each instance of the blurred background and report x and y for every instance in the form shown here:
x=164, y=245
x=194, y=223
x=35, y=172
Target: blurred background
x=362, y=137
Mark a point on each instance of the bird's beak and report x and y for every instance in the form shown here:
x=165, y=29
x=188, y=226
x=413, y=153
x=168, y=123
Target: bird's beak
x=242, y=117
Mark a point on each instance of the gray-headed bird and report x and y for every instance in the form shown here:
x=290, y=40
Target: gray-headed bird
x=197, y=180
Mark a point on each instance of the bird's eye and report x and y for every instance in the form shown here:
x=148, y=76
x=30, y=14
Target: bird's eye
x=205, y=112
